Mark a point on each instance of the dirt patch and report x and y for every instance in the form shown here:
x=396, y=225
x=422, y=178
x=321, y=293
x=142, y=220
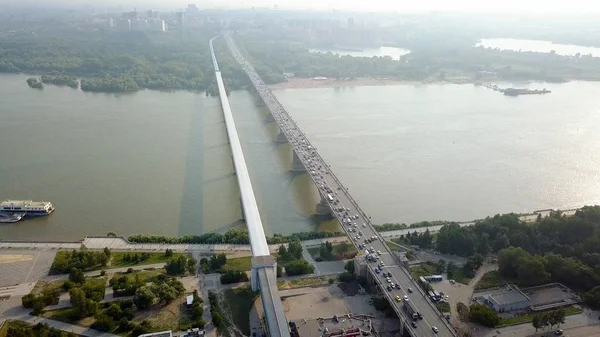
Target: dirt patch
x=349, y=288
x=15, y=258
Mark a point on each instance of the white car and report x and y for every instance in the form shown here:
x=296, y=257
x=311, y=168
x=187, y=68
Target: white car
x=405, y=298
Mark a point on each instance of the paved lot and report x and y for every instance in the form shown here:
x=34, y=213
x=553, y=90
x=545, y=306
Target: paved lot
x=29, y=266
x=312, y=303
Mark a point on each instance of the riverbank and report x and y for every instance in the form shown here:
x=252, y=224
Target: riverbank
x=307, y=83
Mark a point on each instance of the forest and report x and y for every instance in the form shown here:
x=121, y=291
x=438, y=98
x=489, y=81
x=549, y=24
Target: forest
x=556, y=248
x=434, y=56
x=109, y=61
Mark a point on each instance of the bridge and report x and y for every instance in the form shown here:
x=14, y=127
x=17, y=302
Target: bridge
x=336, y=200
x=263, y=264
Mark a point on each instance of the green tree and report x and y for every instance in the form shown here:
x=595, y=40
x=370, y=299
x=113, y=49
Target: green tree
x=143, y=298
x=349, y=266
x=480, y=313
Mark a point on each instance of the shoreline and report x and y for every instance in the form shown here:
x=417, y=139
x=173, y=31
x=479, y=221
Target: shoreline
x=310, y=83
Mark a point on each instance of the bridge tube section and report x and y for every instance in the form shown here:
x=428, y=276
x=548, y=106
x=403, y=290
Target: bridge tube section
x=258, y=242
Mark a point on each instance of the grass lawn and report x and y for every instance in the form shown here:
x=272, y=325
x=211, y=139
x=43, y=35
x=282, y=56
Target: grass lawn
x=116, y=259
x=303, y=282
x=459, y=276
x=525, y=318
x=491, y=279
x=164, y=317
x=65, y=314
x=144, y=275
x=42, y=286
x=347, y=252
x=238, y=264
x=4, y=328
x=240, y=301
x=422, y=270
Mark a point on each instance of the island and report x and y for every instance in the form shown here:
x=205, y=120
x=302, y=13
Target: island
x=35, y=83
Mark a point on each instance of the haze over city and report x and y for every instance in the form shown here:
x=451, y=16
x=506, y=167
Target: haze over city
x=404, y=6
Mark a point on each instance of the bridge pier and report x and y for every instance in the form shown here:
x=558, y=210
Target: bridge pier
x=297, y=165
x=258, y=262
x=323, y=208
x=281, y=138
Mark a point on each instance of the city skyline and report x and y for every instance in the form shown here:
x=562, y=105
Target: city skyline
x=508, y=6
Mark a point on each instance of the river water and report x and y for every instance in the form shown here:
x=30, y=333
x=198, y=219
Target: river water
x=392, y=52
x=159, y=163
x=538, y=46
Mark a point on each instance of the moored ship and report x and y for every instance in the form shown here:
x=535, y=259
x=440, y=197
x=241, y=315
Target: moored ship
x=27, y=207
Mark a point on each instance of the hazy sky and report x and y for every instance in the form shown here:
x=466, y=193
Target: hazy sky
x=514, y=6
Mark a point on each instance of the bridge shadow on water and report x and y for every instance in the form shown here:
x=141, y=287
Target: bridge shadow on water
x=191, y=214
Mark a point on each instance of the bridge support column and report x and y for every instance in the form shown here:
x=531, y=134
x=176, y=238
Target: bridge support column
x=323, y=208
x=281, y=138
x=297, y=165
x=258, y=262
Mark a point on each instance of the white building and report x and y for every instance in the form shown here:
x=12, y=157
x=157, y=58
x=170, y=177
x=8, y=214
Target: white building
x=507, y=299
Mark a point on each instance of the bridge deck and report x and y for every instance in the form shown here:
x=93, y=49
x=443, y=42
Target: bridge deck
x=267, y=281
x=329, y=184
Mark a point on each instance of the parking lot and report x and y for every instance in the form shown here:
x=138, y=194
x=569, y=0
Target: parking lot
x=324, y=302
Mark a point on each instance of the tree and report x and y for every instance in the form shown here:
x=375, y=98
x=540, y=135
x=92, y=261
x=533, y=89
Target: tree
x=283, y=253
x=299, y=267
x=104, y=323
x=78, y=299
x=176, y=266
x=191, y=266
x=482, y=314
x=508, y=260
x=143, y=298
x=76, y=276
x=591, y=298
x=169, y=252
x=349, y=266
x=531, y=270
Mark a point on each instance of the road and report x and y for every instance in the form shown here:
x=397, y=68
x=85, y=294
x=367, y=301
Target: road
x=347, y=211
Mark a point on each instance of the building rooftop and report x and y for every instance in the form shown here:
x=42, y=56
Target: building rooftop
x=189, y=300
x=320, y=327
x=508, y=295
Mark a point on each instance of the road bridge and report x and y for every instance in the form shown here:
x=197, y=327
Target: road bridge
x=336, y=200
x=263, y=264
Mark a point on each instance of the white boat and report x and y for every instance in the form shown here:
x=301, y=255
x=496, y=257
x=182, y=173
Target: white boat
x=29, y=207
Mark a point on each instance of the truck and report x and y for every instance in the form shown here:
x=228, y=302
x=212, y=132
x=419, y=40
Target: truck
x=410, y=310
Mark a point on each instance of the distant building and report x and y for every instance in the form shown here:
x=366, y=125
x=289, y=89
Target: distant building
x=111, y=23
x=124, y=24
x=509, y=298
x=192, y=9
x=350, y=22
x=180, y=19
x=152, y=14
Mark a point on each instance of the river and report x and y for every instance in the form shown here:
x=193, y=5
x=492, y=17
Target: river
x=158, y=162
x=392, y=52
x=538, y=46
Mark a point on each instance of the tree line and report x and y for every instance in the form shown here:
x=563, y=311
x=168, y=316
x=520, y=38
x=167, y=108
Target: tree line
x=111, y=61
x=433, y=56
x=234, y=236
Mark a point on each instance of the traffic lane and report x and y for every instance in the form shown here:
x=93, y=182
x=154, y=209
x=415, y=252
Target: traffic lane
x=331, y=182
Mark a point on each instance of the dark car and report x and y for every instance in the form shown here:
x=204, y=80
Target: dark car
x=389, y=288
x=414, y=324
